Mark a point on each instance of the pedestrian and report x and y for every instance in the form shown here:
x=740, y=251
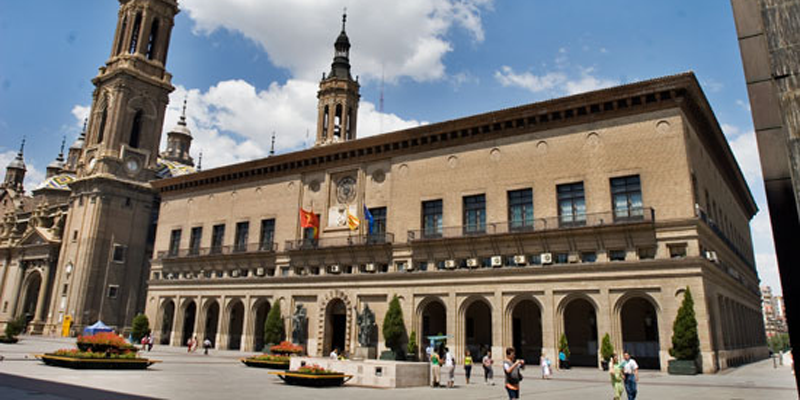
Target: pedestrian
x=435, y=369
x=144, y=342
x=562, y=360
x=617, y=377
x=467, y=365
x=544, y=362
x=206, y=345
x=630, y=369
x=195, y=343
x=190, y=344
x=149, y=342
x=429, y=351
x=488, y=371
x=450, y=367
x=334, y=354
x=513, y=372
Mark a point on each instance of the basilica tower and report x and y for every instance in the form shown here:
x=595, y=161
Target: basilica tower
x=105, y=253
x=338, y=97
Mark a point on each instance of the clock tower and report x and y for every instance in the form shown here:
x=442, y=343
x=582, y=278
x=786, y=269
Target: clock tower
x=104, y=259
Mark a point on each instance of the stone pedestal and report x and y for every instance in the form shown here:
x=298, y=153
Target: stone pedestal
x=365, y=353
x=372, y=373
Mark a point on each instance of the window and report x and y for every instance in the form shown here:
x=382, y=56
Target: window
x=112, y=291
x=240, y=240
x=217, y=236
x=174, y=242
x=571, y=204
x=194, y=240
x=122, y=35
x=616, y=255
x=520, y=210
x=267, y=236
x=119, y=253
x=379, y=218
x=647, y=253
x=474, y=214
x=588, y=256
x=309, y=241
x=626, y=197
x=561, y=258
x=135, y=34
x=136, y=130
x=151, y=43
x=74, y=236
x=432, y=218
x=677, y=250
x=65, y=289
x=102, y=129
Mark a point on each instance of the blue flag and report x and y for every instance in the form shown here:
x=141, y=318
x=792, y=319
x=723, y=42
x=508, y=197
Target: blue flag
x=369, y=218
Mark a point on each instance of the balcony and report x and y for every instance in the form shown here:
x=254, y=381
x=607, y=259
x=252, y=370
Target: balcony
x=249, y=248
x=721, y=235
x=340, y=241
x=578, y=221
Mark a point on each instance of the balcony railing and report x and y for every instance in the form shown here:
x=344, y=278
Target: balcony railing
x=609, y=218
x=340, y=241
x=721, y=234
x=248, y=248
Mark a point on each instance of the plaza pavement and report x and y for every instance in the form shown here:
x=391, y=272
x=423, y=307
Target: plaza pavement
x=220, y=376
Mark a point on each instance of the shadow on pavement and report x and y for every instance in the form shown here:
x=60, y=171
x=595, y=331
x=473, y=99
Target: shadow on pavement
x=62, y=389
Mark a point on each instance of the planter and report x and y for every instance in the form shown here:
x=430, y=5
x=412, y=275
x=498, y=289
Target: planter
x=102, y=348
x=95, y=363
x=682, y=367
x=256, y=363
x=8, y=340
x=312, y=380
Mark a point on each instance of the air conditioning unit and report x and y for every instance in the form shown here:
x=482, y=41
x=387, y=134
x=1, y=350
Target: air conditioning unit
x=370, y=267
x=260, y=271
x=520, y=260
x=408, y=266
x=473, y=263
x=547, y=258
x=573, y=258
x=712, y=256
x=451, y=264
x=335, y=269
x=235, y=273
x=497, y=261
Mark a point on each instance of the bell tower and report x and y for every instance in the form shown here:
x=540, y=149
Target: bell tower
x=338, y=97
x=104, y=259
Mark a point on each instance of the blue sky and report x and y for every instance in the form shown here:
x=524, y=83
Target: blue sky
x=249, y=68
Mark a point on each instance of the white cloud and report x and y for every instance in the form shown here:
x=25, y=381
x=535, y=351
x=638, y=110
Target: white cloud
x=588, y=82
x=554, y=83
x=411, y=43
x=80, y=113
x=745, y=149
x=767, y=265
x=744, y=105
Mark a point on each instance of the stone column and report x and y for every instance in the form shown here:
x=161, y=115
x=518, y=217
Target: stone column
x=247, y=330
x=40, y=302
x=221, y=342
x=452, y=325
x=605, y=320
x=177, y=324
x=498, y=317
x=550, y=331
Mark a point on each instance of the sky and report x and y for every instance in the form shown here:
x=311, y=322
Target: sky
x=249, y=68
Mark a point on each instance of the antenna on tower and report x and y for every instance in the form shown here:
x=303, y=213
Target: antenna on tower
x=272, y=147
x=200, y=161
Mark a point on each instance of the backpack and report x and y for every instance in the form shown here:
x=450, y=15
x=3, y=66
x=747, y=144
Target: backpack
x=515, y=376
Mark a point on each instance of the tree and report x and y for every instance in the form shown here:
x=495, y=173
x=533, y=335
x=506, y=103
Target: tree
x=606, y=349
x=15, y=327
x=274, y=331
x=779, y=343
x=394, y=329
x=411, y=348
x=563, y=345
x=685, y=342
x=140, y=327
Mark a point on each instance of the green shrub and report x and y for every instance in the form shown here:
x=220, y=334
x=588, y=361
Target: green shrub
x=274, y=332
x=140, y=327
x=15, y=326
x=779, y=343
x=394, y=329
x=606, y=349
x=685, y=342
x=563, y=345
x=411, y=348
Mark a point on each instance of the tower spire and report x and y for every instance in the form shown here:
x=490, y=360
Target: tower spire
x=200, y=161
x=21, y=149
x=182, y=121
x=272, y=147
x=344, y=18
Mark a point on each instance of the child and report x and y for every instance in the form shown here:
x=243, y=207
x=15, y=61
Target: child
x=467, y=365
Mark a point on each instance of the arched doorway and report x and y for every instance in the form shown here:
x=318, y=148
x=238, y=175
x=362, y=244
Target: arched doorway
x=212, y=322
x=261, y=310
x=478, y=328
x=235, y=325
x=433, y=321
x=189, y=315
x=335, y=326
x=526, y=330
x=31, y=296
x=167, y=316
x=640, y=332
x=580, y=326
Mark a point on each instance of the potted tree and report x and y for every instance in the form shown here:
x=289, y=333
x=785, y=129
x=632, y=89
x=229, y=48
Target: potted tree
x=394, y=331
x=685, y=342
x=563, y=347
x=606, y=351
x=13, y=328
x=104, y=350
x=411, y=347
x=274, y=331
x=140, y=327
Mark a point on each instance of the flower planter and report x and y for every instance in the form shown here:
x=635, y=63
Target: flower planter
x=95, y=363
x=312, y=380
x=682, y=367
x=8, y=340
x=259, y=363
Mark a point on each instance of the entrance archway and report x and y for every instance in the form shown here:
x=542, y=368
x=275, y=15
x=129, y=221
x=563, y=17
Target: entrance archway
x=640, y=332
x=478, y=328
x=526, y=330
x=580, y=326
x=31, y=296
x=235, y=325
x=167, y=316
x=335, y=326
x=433, y=320
x=261, y=310
x=189, y=315
x=212, y=322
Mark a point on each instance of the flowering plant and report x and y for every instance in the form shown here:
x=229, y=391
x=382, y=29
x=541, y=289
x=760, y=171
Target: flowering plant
x=286, y=348
x=315, y=369
x=105, y=341
x=271, y=357
x=75, y=353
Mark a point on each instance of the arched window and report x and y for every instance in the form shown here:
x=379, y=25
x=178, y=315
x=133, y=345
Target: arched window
x=325, y=116
x=337, y=122
x=349, y=123
x=137, y=24
x=151, y=43
x=121, y=39
x=136, y=130
x=103, y=117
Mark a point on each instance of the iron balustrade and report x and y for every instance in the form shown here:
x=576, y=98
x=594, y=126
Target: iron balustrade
x=340, y=241
x=249, y=248
x=608, y=218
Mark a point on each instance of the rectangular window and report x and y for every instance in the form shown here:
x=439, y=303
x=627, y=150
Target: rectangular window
x=561, y=258
x=242, y=232
x=194, y=240
x=217, y=236
x=571, y=204
x=588, y=256
x=432, y=218
x=520, y=210
x=378, y=233
x=647, y=253
x=677, y=250
x=308, y=237
x=174, y=242
x=119, y=253
x=474, y=214
x=616, y=255
x=112, y=291
x=267, y=236
x=626, y=197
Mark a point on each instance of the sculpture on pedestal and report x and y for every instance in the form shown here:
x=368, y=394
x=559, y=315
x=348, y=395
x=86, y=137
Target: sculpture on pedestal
x=299, y=324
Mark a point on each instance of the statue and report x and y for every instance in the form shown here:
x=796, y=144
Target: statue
x=366, y=326
x=299, y=324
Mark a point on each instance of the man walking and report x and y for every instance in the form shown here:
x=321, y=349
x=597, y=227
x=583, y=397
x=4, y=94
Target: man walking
x=631, y=371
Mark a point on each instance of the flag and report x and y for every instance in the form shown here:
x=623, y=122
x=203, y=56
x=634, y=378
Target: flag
x=310, y=220
x=370, y=220
x=352, y=221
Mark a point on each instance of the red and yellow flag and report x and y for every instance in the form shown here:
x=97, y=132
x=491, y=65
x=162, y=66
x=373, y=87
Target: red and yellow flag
x=352, y=221
x=309, y=220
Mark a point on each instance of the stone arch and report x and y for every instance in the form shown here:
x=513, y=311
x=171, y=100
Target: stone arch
x=638, y=315
x=475, y=327
x=234, y=323
x=31, y=288
x=166, y=320
x=188, y=320
x=147, y=106
x=578, y=315
x=523, y=327
x=258, y=312
x=211, y=318
x=431, y=316
x=325, y=328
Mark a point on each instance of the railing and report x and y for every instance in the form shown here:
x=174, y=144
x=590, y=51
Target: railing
x=340, y=241
x=219, y=250
x=720, y=234
x=609, y=218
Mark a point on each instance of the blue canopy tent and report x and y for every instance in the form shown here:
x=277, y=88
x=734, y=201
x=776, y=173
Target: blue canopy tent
x=98, y=327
